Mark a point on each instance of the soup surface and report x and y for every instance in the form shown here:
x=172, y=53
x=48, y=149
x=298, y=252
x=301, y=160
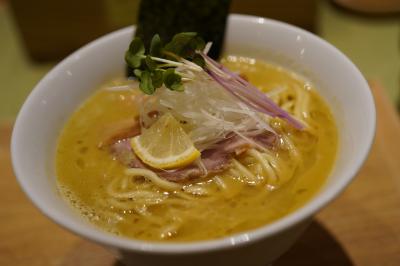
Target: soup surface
x=207, y=208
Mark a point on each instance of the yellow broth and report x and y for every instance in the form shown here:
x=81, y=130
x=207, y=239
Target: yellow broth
x=84, y=170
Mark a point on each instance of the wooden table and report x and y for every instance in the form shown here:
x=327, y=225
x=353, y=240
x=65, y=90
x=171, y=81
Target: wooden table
x=361, y=227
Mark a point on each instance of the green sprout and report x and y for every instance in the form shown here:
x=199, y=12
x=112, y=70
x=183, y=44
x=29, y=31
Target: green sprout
x=158, y=67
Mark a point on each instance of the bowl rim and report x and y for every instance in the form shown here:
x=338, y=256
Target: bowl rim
x=236, y=240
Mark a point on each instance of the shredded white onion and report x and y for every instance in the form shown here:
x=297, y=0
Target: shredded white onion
x=207, y=112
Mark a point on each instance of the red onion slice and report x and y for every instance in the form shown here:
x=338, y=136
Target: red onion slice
x=247, y=93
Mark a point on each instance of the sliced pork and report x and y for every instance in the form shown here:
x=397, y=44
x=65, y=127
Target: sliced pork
x=213, y=160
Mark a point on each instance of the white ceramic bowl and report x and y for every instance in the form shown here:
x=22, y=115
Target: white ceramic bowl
x=66, y=86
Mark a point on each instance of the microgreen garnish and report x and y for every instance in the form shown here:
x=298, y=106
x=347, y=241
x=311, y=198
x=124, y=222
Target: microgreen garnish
x=172, y=80
x=185, y=44
x=165, y=64
x=135, y=53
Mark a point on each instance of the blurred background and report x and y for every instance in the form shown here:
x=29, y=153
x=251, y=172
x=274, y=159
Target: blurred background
x=361, y=228
x=35, y=35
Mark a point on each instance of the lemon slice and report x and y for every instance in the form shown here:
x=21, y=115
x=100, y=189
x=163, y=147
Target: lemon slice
x=165, y=145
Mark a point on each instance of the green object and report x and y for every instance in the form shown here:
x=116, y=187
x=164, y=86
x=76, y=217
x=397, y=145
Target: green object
x=172, y=80
x=146, y=84
x=135, y=52
x=158, y=67
x=184, y=44
x=155, y=46
x=158, y=78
